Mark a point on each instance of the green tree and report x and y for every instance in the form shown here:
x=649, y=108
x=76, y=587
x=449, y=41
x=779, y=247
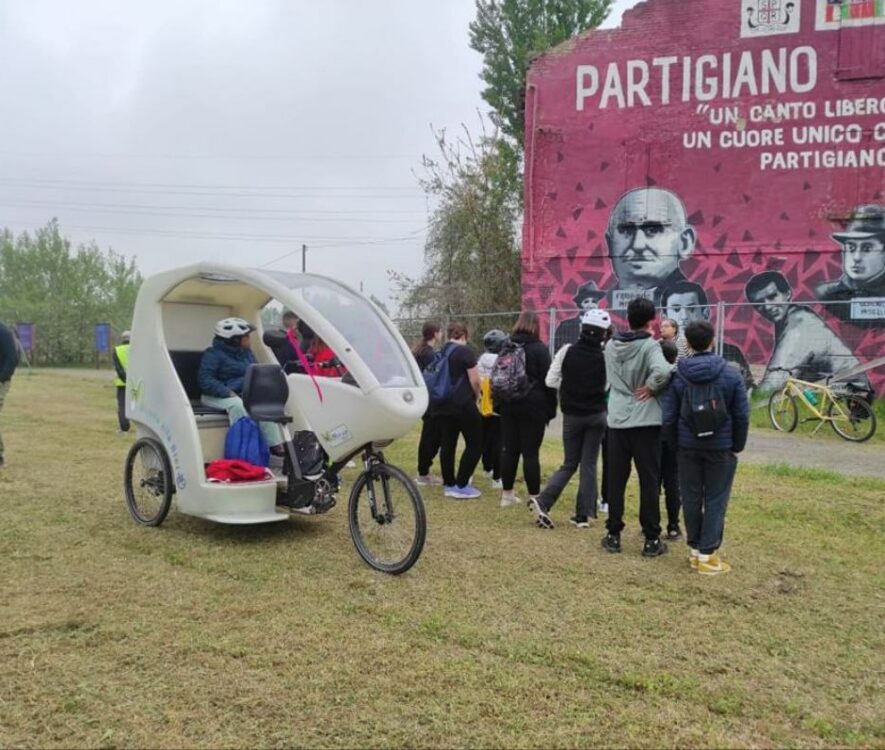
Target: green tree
x=472, y=252
x=64, y=291
x=509, y=33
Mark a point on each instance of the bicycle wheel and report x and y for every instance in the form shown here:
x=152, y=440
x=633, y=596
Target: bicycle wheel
x=387, y=519
x=853, y=417
x=783, y=411
x=148, y=482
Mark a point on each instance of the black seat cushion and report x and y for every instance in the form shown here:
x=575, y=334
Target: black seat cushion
x=265, y=393
x=187, y=366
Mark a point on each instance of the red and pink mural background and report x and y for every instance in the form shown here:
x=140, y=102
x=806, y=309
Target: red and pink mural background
x=766, y=120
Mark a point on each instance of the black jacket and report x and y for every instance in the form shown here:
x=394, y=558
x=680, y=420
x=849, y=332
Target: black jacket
x=8, y=354
x=582, y=391
x=540, y=399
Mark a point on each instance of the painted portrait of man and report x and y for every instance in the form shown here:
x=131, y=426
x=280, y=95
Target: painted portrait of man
x=686, y=302
x=586, y=298
x=863, y=269
x=648, y=235
x=803, y=344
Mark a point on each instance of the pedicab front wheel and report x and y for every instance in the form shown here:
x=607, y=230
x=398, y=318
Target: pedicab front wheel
x=148, y=482
x=388, y=523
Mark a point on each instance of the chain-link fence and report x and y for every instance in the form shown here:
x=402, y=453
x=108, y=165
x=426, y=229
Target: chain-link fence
x=815, y=339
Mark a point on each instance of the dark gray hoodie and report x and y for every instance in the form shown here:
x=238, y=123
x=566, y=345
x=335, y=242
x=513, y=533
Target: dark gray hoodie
x=634, y=359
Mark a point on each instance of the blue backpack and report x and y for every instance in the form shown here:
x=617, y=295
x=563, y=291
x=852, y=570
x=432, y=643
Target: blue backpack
x=245, y=442
x=437, y=376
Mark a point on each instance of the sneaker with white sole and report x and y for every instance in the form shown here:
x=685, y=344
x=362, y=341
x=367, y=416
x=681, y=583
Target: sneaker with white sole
x=508, y=501
x=693, y=558
x=541, y=517
x=428, y=480
x=468, y=492
x=497, y=484
x=712, y=565
x=603, y=507
x=580, y=522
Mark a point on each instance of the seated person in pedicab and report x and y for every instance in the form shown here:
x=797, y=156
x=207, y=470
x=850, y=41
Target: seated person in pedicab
x=323, y=362
x=223, y=370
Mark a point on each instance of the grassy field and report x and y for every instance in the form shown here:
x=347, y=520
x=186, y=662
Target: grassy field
x=200, y=635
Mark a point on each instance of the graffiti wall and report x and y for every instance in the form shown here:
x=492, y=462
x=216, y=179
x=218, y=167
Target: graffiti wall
x=718, y=151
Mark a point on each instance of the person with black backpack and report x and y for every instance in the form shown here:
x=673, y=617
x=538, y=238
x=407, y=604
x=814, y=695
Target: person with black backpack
x=707, y=416
x=525, y=403
x=578, y=370
x=452, y=380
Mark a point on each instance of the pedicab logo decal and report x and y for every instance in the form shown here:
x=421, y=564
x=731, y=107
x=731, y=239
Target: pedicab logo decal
x=769, y=17
x=337, y=436
x=163, y=430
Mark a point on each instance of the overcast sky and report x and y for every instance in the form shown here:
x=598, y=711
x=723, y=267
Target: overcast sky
x=176, y=131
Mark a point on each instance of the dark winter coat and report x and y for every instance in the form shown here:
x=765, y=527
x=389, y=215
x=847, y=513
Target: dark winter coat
x=223, y=368
x=540, y=399
x=707, y=367
x=582, y=390
x=8, y=354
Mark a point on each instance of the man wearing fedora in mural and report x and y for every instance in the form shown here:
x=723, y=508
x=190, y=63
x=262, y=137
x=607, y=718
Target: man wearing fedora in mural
x=586, y=298
x=648, y=235
x=863, y=269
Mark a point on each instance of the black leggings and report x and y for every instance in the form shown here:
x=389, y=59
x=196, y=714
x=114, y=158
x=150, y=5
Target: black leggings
x=428, y=445
x=522, y=435
x=491, y=445
x=466, y=422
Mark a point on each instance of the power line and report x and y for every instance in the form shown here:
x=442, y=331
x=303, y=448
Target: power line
x=206, y=186
x=185, y=212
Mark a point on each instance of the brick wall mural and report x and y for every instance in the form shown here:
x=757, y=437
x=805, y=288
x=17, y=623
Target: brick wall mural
x=715, y=151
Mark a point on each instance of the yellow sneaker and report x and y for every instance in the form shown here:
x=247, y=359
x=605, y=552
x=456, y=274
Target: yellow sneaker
x=712, y=565
x=693, y=558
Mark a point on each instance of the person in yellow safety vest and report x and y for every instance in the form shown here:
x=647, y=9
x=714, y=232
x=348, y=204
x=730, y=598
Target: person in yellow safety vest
x=121, y=363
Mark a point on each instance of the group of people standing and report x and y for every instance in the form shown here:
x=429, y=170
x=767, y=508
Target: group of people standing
x=669, y=407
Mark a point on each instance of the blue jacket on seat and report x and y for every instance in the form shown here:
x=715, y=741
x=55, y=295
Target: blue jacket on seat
x=706, y=367
x=223, y=368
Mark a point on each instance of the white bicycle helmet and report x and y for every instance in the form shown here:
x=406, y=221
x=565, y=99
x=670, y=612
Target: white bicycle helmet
x=597, y=318
x=230, y=327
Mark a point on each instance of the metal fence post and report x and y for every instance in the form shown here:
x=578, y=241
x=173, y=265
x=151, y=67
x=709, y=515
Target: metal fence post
x=720, y=324
x=551, y=330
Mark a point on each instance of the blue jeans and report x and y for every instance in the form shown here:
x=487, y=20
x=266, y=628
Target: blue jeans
x=233, y=405
x=705, y=479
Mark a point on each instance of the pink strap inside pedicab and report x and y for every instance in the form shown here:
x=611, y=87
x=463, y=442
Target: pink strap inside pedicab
x=293, y=339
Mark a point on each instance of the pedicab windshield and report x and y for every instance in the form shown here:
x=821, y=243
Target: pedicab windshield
x=361, y=325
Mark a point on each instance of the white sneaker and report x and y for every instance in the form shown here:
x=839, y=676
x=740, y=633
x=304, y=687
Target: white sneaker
x=603, y=507
x=508, y=501
x=542, y=519
x=428, y=481
x=497, y=484
x=489, y=474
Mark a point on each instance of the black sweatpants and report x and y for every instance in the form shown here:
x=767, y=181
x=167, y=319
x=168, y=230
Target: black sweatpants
x=467, y=422
x=428, y=445
x=522, y=435
x=705, y=478
x=670, y=484
x=642, y=446
x=491, y=445
x=121, y=408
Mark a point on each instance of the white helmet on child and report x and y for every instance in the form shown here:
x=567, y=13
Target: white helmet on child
x=596, y=318
x=230, y=327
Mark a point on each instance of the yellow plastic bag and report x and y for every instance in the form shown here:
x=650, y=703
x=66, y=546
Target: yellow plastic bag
x=485, y=398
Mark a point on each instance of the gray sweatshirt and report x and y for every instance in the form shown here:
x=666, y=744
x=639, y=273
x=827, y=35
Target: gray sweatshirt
x=634, y=359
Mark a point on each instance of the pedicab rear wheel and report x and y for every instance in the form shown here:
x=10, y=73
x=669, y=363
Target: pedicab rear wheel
x=148, y=482
x=387, y=520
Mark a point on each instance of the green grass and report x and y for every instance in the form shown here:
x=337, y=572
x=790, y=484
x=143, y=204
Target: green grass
x=200, y=635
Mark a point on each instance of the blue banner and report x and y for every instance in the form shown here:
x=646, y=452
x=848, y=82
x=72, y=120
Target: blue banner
x=102, y=338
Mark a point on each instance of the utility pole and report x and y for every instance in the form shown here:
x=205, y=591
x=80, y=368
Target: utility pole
x=304, y=259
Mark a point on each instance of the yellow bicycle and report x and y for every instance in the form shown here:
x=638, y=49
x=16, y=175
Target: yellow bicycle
x=844, y=407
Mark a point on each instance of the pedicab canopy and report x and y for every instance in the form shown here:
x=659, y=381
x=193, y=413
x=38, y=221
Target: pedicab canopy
x=175, y=314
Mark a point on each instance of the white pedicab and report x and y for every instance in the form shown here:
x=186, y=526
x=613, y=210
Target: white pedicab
x=380, y=399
